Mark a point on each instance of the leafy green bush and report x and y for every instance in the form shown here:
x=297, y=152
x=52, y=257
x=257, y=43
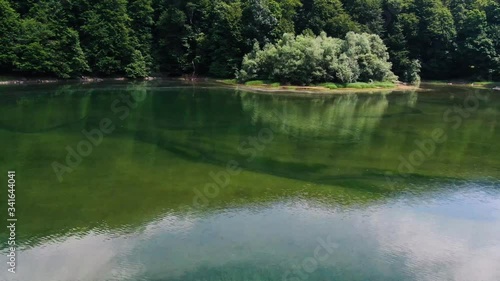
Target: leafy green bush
x=357, y=85
x=229, y=81
x=329, y=85
x=363, y=85
x=305, y=59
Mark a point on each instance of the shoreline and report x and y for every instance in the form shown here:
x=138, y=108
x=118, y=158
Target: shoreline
x=315, y=90
x=265, y=88
x=262, y=89
x=260, y=86
x=464, y=83
x=29, y=81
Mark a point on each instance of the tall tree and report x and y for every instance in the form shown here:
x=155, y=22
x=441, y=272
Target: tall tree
x=105, y=36
x=368, y=13
x=435, y=40
x=9, y=23
x=172, y=32
x=328, y=16
x=223, y=42
x=141, y=14
x=46, y=45
x=259, y=23
x=181, y=30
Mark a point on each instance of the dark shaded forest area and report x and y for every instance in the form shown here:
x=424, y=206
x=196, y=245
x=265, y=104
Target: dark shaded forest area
x=450, y=39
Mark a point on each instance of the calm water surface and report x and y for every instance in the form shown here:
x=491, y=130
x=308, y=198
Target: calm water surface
x=208, y=183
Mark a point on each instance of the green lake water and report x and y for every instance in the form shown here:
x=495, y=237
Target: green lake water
x=169, y=181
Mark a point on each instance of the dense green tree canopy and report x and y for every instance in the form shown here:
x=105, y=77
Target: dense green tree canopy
x=305, y=59
x=438, y=38
x=9, y=28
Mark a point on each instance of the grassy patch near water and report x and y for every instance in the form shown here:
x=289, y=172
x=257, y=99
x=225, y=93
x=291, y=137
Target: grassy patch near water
x=255, y=83
x=229, y=81
x=486, y=84
x=328, y=85
x=363, y=85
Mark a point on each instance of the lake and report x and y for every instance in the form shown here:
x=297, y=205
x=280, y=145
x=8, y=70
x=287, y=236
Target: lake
x=170, y=181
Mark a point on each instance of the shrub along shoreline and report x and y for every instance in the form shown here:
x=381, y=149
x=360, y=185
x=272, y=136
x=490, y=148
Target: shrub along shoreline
x=308, y=60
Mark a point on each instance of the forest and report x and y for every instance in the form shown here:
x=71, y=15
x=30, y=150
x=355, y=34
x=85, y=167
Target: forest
x=437, y=39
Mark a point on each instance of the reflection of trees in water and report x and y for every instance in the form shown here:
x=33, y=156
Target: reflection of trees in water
x=66, y=105
x=45, y=111
x=412, y=99
x=209, y=128
x=346, y=118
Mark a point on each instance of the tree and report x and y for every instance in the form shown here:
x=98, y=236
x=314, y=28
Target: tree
x=305, y=59
x=328, y=16
x=479, y=50
x=436, y=36
x=368, y=13
x=172, y=33
x=371, y=57
x=401, y=25
x=181, y=30
x=106, y=36
x=45, y=45
x=138, y=67
x=141, y=14
x=259, y=23
x=223, y=42
x=9, y=23
x=285, y=11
